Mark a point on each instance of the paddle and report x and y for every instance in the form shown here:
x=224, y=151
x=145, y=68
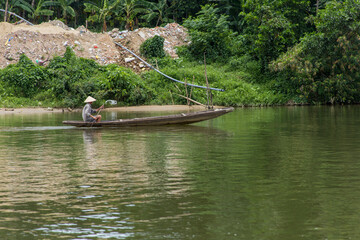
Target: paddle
x=111, y=102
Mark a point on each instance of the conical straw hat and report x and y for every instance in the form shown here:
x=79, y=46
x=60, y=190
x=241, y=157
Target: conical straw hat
x=90, y=99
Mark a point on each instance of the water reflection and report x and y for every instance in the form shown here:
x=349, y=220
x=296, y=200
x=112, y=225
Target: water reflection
x=92, y=137
x=271, y=173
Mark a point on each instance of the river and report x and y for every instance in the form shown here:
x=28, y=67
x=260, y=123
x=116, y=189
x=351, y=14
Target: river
x=274, y=173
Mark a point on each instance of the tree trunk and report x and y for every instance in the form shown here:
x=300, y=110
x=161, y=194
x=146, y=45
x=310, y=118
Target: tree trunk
x=317, y=6
x=104, y=26
x=64, y=16
x=6, y=10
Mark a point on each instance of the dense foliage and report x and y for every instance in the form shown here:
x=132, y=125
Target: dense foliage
x=300, y=50
x=68, y=80
x=23, y=79
x=153, y=47
x=325, y=65
x=210, y=34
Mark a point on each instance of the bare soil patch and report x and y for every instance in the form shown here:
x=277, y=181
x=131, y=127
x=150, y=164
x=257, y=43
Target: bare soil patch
x=44, y=41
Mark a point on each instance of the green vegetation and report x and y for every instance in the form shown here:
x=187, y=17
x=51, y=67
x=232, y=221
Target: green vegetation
x=324, y=66
x=262, y=52
x=210, y=34
x=153, y=47
x=65, y=82
x=68, y=80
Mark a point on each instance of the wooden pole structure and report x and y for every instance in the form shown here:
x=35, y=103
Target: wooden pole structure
x=208, y=93
x=6, y=10
x=177, y=87
x=172, y=100
x=191, y=100
x=192, y=87
x=187, y=94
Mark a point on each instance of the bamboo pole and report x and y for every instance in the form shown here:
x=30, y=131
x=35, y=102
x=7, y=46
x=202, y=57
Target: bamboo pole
x=172, y=100
x=6, y=10
x=187, y=94
x=177, y=87
x=192, y=87
x=191, y=100
x=208, y=92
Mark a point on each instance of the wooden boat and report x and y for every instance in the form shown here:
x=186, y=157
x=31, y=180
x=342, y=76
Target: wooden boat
x=182, y=118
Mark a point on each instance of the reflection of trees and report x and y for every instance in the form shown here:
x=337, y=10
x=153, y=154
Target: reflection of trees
x=33, y=163
x=272, y=173
x=276, y=180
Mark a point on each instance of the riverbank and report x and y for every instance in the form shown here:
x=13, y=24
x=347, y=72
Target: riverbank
x=152, y=108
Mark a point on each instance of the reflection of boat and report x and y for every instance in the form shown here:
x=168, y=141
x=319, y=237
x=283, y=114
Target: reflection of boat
x=182, y=118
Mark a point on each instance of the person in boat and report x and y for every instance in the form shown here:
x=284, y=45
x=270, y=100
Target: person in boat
x=87, y=112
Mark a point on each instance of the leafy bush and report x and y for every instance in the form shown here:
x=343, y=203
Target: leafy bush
x=247, y=64
x=122, y=85
x=153, y=47
x=72, y=79
x=24, y=79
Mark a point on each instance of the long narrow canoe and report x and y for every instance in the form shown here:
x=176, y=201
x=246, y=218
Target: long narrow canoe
x=182, y=118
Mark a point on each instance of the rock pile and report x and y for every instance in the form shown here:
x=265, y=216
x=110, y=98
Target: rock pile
x=42, y=42
x=174, y=35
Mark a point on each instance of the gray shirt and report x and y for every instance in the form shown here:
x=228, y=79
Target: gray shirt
x=86, y=112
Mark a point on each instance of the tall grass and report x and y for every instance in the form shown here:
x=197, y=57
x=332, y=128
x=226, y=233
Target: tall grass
x=240, y=87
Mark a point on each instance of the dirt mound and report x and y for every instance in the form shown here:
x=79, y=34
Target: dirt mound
x=173, y=33
x=53, y=27
x=44, y=41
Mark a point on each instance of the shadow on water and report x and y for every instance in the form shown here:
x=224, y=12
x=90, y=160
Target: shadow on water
x=89, y=133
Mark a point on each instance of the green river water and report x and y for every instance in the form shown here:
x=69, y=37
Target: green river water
x=275, y=173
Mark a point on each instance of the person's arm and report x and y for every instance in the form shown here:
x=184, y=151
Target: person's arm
x=92, y=116
x=101, y=107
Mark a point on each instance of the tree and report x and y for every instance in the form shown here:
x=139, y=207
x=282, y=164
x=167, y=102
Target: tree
x=16, y=5
x=131, y=8
x=325, y=65
x=231, y=8
x=65, y=7
x=182, y=9
x=41, y=11
x=100, y=13
x=271, y=27
x=156, y=11
x=6, y=10
x=269, y=34
x=209, y=33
